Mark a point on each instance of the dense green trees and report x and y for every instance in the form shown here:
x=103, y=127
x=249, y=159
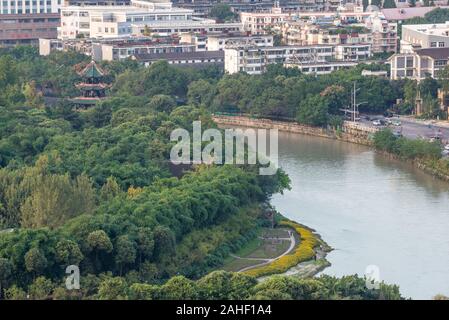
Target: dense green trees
x=218, y=285
x=284, y=93
x=222, y=12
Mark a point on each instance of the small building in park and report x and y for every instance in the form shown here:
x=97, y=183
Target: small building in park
x=92, y=87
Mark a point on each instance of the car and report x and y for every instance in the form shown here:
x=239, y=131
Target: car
x=397, y=123
x=446, y=147
x=397, y=134
x=445, y=153
x=435, y=139
x=377, y=123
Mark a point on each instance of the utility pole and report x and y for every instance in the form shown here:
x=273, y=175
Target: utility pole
x=354, y=104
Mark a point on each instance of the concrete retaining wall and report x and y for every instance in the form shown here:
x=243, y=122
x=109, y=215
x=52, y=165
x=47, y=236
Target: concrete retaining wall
x=349, y=132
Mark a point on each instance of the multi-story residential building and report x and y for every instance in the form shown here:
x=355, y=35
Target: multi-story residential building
x=25, y=21
x=254, y=60
x=384, y=33
x=424, y=36
x=203, y=7
x=307, y=33
x=221, y=41
x=264, y=22
x=139, y=17
x=199, y=40
x=419, y=64
x=352, y=52
x=261, y=22
x=218, y=41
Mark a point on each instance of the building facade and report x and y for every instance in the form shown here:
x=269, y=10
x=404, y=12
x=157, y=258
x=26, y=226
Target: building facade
x=254, y=60
x=419, y=64
x=29, y=6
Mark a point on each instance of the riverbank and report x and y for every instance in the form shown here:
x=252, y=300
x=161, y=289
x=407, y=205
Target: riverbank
x=434, y=168
x=290, y=249
x=349, y=132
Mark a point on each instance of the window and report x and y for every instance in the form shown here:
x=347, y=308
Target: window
x=433, y=44
x=441, y=44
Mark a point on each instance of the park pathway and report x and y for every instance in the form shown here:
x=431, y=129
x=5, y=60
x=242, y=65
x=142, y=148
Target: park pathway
x=267, y=261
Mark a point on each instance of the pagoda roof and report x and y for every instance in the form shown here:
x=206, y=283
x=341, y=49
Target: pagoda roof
x=92, y=71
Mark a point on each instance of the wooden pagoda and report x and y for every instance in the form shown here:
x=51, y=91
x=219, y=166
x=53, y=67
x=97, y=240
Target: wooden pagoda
x=92, y=87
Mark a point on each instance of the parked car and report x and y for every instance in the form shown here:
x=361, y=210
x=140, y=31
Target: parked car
x=397, y=123
x=377, y=123
x=446, y=147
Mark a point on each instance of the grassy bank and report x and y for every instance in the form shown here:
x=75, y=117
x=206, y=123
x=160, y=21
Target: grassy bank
x=423, y=154
x=304, y=251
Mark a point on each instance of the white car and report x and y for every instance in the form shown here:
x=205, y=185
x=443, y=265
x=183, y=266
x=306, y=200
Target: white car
x=377, y=123
x=446, y=147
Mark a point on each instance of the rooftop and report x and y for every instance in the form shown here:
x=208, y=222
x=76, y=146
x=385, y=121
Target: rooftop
x=440, y=29
x=179, y=56
x=435, y=53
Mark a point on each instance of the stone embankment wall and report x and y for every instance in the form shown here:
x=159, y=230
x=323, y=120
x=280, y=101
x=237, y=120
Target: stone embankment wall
x=349, y=132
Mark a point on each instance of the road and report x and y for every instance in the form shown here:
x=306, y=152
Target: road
x=415, y=129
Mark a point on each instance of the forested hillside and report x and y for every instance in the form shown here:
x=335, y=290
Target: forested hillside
x=96, y=189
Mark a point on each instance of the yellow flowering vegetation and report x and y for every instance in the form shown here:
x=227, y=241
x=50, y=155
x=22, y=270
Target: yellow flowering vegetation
x=134, y=192
x=303, y=252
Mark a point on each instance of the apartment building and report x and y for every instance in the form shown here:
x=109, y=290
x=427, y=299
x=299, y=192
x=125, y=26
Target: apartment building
x=307, y=33
x=261, y=22
x=221, y=41
x=218, y=41
x=384, y=33
x=139, y=17
x=419, y=64
x=203, y=7
x=254, y=60
x=352, y=52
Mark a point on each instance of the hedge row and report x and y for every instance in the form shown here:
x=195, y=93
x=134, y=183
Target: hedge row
x=303, y=252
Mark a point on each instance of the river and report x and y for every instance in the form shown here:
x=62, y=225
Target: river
x=371, y=210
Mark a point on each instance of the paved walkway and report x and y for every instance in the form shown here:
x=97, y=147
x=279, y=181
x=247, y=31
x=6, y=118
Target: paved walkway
x=267, y=261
